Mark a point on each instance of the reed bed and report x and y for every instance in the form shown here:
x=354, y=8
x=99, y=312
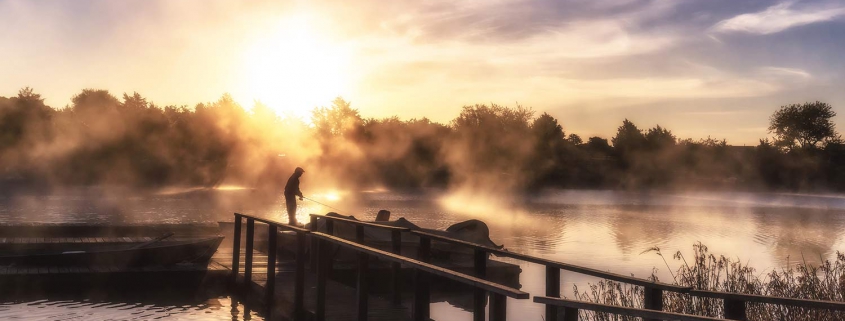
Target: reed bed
x=706, y=271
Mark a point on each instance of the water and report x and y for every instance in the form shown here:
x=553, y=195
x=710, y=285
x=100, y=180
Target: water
x=606, y=230
x=74, y=309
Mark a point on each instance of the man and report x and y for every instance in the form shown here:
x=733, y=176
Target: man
x=291, y=191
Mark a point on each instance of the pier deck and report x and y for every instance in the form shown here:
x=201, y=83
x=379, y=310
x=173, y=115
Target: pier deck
x=341, y=297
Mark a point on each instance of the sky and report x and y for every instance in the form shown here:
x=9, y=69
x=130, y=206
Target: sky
x=701, y=68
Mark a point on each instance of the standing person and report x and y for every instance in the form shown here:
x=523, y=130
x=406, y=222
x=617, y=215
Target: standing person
x=291, y=191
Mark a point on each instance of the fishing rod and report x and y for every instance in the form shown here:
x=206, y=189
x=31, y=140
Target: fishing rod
x=331, y=207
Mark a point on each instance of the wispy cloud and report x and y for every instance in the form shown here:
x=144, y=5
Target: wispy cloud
x=783, y=71
x=778, y=18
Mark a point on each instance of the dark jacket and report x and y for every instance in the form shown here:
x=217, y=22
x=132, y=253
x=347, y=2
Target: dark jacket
x=292, y=187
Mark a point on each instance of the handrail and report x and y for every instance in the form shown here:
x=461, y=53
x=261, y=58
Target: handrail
x=803, y=303
x=559, y=265
x=272, y=237
x=368, y=224
x=428, y=268
x=572, y=307
x=274, y=222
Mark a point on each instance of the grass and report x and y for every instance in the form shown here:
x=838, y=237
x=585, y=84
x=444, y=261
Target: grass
x=707, y=271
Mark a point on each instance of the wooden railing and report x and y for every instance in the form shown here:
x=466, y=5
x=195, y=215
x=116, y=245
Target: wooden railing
x=422, y=273
x=269, y=289
x=422, y=270
x=572, y=307
x=395, y=241
x=653, y=290
x=735, y=304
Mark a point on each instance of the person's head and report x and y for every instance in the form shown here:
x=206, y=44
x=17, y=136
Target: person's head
x=299, y=171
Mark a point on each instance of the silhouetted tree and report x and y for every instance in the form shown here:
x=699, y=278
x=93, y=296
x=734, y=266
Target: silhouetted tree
x=803, y=126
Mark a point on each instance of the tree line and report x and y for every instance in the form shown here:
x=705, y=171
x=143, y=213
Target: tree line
x=103, y=139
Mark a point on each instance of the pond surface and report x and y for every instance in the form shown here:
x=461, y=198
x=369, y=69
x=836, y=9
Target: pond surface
x=607, y=230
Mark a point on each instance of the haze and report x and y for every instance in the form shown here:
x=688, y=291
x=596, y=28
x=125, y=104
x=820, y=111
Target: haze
x=699, y=67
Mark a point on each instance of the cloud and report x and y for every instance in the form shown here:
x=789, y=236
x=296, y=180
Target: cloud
x=778, y=18
x=787, y=72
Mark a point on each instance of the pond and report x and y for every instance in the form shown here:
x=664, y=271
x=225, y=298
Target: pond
x=606, y=230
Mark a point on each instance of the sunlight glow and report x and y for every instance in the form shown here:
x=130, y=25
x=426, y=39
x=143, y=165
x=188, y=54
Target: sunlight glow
x=294, y=68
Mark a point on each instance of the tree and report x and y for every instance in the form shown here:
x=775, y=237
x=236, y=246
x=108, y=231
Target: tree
x=659, y=138
x=575, y=139
x=628, y=138
x=803, y=126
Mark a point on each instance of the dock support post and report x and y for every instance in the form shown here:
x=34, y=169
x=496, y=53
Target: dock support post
x=322, y=269
x=395, y=267
x=498, y=307
x=250, y=231
x=422, y=296
x=735, y=310
x=313, y=257
x=479, y=300
x=653, y=300
x=570, y=314
x=363, y=289
x=552, y=290
x=299, y=286
x=236, y=249
x=270, y=286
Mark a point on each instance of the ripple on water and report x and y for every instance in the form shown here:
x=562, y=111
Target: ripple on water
x=62, y=310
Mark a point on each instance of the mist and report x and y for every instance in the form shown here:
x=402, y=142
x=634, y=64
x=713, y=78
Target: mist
x=488, y=151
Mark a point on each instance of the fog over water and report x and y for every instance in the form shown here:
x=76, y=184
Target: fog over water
x=607, y=230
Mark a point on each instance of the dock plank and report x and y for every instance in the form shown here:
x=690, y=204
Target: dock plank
x=342, y=297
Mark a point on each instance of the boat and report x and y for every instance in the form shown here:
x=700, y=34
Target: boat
x=456, y=258
x=128, y=252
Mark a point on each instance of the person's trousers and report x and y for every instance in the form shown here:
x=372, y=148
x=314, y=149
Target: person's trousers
x=290, y=202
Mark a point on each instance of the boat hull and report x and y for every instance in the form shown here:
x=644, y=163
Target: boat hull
x=119, y=255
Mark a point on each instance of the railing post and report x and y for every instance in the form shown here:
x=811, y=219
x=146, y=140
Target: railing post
x=735, y=310
x=236, y=249
x=322, y=258
x=395, y=268
x=653, y=300
x=570, y=314
x=479, y=299
x=250, y=232
x=363, y=289
x=424, y=251
x=498, y=307
x=299, y=286
x=329, y=226
x=359, y=234
x=270, y=286
x=313, y=257
x=552, y=290
x=422, y=296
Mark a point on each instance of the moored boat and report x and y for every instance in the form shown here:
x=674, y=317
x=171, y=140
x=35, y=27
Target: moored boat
x=127, y=252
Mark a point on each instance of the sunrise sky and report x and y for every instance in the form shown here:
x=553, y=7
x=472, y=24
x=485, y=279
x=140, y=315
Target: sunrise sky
x=706, y=67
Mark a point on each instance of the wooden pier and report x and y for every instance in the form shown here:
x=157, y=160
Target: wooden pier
x=342, y=297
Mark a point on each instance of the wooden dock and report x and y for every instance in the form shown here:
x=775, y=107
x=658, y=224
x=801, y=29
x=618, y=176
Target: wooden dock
x=342, y=297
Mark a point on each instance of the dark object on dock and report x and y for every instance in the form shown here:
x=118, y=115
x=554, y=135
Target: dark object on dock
x=120, y=252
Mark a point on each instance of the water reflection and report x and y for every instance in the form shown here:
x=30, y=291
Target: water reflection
x=601, y=229
x=222, y=308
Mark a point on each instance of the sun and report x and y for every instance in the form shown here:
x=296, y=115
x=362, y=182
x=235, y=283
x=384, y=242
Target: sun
x=294, y=68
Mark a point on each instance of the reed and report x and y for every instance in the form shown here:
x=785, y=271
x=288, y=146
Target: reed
x=706, y=271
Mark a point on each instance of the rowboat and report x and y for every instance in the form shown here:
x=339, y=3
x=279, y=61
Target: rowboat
x=99, y=252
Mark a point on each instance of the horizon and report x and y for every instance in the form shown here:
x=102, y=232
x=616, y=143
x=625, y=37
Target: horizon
x=701, y=68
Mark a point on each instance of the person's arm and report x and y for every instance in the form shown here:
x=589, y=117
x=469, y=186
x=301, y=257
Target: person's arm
x=299, y=192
